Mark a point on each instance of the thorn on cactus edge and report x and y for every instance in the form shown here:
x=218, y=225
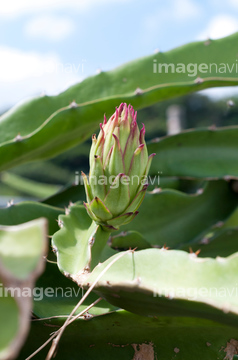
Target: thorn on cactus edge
x=54, y=249
x=18, y=138
x=138, y=91
x=87, y=316
x=230, y=103
x=156, y=190
x=10, y=203
x=200, y=191
x=212, y=127
x=207, y=42
x=91, y=241
x=198, y=80
x=73, y=104
x=195, y=254
x=205, y=241
x=60, y=223
x=67, y=211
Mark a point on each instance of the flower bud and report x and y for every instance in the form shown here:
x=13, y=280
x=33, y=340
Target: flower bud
x=119, y=165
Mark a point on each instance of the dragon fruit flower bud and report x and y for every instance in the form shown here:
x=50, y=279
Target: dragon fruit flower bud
x=119, y=164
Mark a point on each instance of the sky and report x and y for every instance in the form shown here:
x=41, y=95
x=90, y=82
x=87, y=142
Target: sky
x=48, y=45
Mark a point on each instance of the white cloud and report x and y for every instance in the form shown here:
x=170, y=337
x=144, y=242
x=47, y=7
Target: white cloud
x=48, y=27
x=233, y=3
x=11, y=8
x=175, y=11
x=185, y=9
x=220, y=26
x=23, y=74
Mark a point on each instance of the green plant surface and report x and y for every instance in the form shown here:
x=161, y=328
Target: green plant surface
x=80, y=243
x=29, y=187
x=220, y=240
x=65, y=295
x=22, y=248
x=202, y=153
x=171, y=283
x=216, y=243
x=58, y=125
x=124, y=335
x=29, y=210
x=232, y=221
x=69, y=194
x=173, y=218
x=9, y=314
x=129, y=239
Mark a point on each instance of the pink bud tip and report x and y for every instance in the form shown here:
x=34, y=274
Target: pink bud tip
x=139, y=149
x=121, y=107
x=105, y=120
x=126, y=113
x=103, y=134
x=142, y=134
x=135, y=116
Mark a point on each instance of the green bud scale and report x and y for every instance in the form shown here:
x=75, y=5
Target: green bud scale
x=119, y=164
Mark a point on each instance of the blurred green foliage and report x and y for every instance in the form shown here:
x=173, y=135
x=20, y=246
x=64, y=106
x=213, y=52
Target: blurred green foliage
x=199, y=111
